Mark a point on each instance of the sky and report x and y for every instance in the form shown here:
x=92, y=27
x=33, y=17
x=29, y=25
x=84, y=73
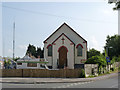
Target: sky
x=35, y=21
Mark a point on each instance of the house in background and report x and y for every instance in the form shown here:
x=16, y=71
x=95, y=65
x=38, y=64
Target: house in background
x=29, y=63
x=65, y=49
x=7, y=63
x=1, y=65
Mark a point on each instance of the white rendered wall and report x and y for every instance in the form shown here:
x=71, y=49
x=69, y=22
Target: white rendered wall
x=48, y=58
x=70, y=53
x=75, y=38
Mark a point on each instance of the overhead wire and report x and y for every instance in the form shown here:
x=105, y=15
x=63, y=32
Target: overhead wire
x=53, y=15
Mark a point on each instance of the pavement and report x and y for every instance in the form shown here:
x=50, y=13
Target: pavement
x=27, y=80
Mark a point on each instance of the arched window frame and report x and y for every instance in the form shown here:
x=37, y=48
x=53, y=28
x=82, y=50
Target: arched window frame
x=49, y=47
x=79, y=50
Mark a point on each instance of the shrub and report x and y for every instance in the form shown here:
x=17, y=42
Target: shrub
x=115, y=59
x=91, y=76
x=112, y=69
x=119, y=69
x=82, y=74
x=118, y=59
x=100, y=60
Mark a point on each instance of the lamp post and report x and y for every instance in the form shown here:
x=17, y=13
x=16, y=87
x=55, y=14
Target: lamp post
x=107, y=50
x=107, y=58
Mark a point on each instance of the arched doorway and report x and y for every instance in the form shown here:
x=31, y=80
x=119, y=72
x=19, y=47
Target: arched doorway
x=62, y=57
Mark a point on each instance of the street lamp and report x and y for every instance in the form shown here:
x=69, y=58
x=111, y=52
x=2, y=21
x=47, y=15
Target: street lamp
x=107, y=58
x=107, y=50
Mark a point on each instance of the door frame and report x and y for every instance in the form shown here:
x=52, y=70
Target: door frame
x=59, y=54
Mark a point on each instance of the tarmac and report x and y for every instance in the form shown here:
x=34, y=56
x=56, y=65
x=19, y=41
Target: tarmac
x=30, y=80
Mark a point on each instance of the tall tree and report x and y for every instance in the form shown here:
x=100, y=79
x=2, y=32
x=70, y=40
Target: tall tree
x=31, y=50
x=92, y=52
x=100, y=60
x=113, y=46
x=42, y=55
x=39, y=52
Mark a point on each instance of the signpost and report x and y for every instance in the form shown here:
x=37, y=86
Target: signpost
x=108, y=59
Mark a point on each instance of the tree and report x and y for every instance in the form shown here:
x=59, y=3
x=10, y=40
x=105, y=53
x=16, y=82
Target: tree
x=42, y=53
x=116, y=59
x=16, y=58
x=39, y=52
x=100, y=60
x=92, y=52
x=7, y=63
x=31, y=50
x=117, y=4
x=113, y=46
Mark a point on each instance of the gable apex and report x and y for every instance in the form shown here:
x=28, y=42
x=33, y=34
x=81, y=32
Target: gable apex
x=65, y=36
x=69, y=28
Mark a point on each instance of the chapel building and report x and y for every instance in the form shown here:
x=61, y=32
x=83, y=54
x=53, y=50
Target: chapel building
x=65, y=48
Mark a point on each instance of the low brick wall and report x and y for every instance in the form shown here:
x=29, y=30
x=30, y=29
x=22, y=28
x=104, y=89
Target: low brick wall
x=91, y=69
x=10, y=72
x=72, y=73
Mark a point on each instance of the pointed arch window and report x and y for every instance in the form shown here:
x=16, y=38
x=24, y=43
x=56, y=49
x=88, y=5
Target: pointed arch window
x=79, y=50
x=49, y=47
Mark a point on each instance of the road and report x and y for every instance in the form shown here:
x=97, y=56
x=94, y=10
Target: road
x=103, y=83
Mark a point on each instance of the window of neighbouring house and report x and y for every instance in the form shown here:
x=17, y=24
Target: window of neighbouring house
x=50, y=50
x=79, y=50
x=32, y=65
x=19, y=63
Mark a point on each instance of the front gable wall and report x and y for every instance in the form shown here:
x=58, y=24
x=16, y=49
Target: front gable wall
x=71, y=41
x=63, y=36
x=68, y=31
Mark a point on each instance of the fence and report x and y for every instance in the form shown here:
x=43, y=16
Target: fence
x=63, y=73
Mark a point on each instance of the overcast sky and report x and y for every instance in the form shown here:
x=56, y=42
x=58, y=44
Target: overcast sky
x=35, y=21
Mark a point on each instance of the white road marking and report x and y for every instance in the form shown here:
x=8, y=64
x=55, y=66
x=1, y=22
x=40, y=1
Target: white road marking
x=22, y=84
x=73, y=84
x=114, y=85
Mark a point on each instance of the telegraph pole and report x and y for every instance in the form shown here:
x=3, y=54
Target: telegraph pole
x=13, y=40
x=117, y=7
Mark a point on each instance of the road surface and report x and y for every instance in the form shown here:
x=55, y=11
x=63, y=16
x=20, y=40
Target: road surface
x=103, y=83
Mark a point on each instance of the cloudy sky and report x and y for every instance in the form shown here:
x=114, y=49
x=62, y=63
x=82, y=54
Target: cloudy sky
x=35, y=21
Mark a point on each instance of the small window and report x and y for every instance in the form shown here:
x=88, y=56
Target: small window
x=50, y=50
x=79, y=50
x=19, y=63
x=32, y=65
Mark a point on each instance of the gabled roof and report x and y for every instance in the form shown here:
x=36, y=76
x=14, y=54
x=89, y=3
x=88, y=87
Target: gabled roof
x=65, y=36
x=68, y=27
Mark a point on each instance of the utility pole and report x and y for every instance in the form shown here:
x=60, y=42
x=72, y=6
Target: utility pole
x=117, y=7
x=13, y=40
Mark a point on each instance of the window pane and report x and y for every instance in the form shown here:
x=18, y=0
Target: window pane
x=50, y=51
x=79, y=51
x=19, y=63
x=32, y=65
